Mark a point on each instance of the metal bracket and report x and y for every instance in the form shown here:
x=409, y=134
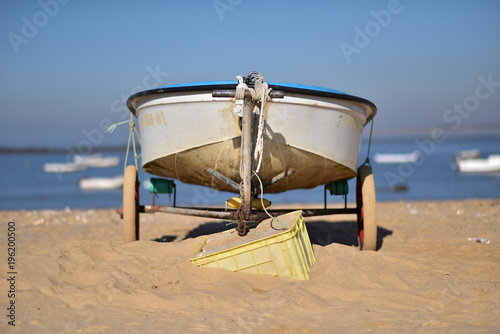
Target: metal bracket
x=279, y=177
x=274, y=94
x=223, y=178
x=329, y=189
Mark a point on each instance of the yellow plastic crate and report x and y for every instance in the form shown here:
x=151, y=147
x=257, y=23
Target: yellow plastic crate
x=278, y=247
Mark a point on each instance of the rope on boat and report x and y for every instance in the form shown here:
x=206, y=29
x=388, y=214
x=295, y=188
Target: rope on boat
x=262, y=202
x=263, y=91
x=260, y=93
x=131, y=139
x=367, y=161
x=241, y=88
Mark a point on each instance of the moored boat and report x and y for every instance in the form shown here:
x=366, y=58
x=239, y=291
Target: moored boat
x=101, y=183
x=62, y=167
x=465, y=155
x=396, y=158
x=468, y=154
x=488, y=165
x=96, y=160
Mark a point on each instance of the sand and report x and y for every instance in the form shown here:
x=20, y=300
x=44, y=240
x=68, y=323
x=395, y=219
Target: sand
x=75, y=275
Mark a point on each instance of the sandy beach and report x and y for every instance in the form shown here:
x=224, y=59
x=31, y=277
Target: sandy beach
x=73, y=274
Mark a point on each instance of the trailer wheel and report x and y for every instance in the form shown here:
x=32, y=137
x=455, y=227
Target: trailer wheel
x=366, y=209
x=130, y=204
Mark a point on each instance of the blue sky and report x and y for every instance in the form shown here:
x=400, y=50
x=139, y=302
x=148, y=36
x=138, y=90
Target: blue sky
x=67, y=66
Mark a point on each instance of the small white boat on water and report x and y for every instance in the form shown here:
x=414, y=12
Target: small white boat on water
x=80, y=163
x=62, y=167
x=96, y=160
x=396, y=158
x=465, y=155
x=488, y=165
x=101, y=183
x=468, y=154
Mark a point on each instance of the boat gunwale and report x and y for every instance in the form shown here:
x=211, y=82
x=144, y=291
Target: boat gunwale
x=287, y=88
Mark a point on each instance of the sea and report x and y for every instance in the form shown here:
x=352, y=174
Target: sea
x=25, y=186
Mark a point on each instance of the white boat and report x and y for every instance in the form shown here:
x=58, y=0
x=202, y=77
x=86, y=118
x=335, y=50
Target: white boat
x=488, y=165
x=396, y=158
x=187, y=129
x=96, y=160
x=468, y=154
x=99, y=183
x=465, y=155
x=62, y=167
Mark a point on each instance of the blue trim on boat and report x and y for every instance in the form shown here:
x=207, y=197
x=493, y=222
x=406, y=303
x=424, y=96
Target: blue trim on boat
x=281, y=84
x=212, y=85
x=199, y=84
x=307, y=87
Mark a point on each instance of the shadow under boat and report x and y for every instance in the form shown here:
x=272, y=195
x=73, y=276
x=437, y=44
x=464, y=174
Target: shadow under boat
x=322, y=233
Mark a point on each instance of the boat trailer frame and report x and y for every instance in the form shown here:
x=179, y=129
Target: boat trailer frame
x=365, y=189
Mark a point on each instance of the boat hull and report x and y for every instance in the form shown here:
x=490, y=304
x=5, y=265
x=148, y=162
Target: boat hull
x=389, y=158
x=310, y=170
x=63, y=167
x=489, y=165
x=101, y=183
x=184, y=133
x=96, y=160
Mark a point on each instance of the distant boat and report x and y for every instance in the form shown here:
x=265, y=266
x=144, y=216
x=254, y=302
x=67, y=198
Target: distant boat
x=468, y=154
x=96, y=160
x=488, y=165
x=397, y=188
x=62, y=167
x=396, y=158
x=100, y=183
x=465, y=155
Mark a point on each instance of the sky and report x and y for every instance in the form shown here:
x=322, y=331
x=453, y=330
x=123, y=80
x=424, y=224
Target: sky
x=68, y=66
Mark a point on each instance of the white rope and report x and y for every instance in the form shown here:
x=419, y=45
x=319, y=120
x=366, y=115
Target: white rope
x=262, y=195
x=264, y=207
x=131, y=139
x=260, y=94
x=241, y=88
x=263, y=91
